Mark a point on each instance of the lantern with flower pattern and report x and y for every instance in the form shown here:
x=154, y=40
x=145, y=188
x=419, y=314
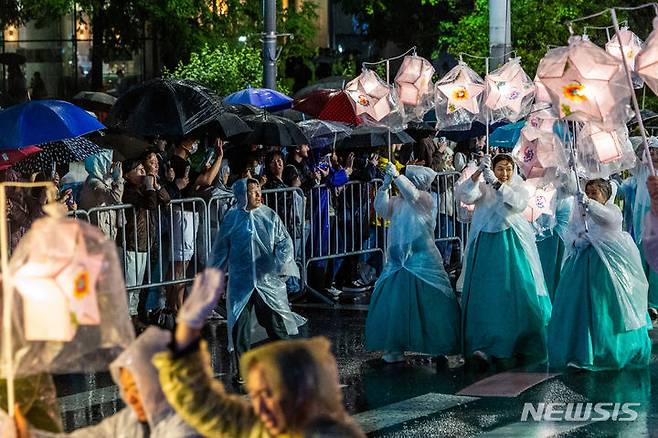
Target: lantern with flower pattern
x=631, y=45
x=375, y=101
x=510, y=92
x=458, y=98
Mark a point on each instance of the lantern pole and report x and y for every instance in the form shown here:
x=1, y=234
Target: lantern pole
x=636, y=106
x=486, y=112
x=7, y=304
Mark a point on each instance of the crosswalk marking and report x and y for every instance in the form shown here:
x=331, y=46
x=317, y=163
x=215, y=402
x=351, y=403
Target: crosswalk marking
x=407, y=410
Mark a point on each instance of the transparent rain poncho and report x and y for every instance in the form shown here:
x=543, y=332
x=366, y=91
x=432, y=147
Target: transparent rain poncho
x=459, y=98
x=510, y=92
x=411, y=232
x=601, y=153
x=650, y=240
x=464, y=210
x=257, y=250
x=618, y=253
x=415, y=90
x=641, y=201
x=70, y=303
x=499, y=210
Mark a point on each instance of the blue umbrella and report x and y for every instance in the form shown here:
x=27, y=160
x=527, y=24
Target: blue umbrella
x=260, y=97
x=43, y=121
x=506, y=136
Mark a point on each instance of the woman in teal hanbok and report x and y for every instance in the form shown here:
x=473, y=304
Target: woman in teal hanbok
x=600, y=319
x=505, y=304
x=551, y=246
x=413, y=307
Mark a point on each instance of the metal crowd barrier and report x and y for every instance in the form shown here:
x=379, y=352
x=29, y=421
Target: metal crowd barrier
x=173, y=242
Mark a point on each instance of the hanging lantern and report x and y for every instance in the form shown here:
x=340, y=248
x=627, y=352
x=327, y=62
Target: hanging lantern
x=585, y=83
x=631, y=46
x=542, y=117
x=458, y=97
x=537, y=151
x=646, y=62
x=373, y=99
x=540, y=203
x=602, y=152
x=414, y=80
x=541, y=94
x=510, y=92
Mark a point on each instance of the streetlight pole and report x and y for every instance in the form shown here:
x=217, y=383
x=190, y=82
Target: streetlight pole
x=269, y=44
x=499, y=31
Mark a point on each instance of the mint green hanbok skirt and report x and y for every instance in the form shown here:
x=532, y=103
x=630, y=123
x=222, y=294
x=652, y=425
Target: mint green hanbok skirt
x=502, y=315
x=408, y=314
x=551, y=252
x=586, y=329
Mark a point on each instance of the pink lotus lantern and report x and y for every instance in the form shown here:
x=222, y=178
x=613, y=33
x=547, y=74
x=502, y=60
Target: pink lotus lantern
x=631, y=46
x=542, y=117
x=646, y=62
x=602, y=152
x=537, y=151
x=459, y=97
x=414, y=80
x=541, y=203
x=586, y=83
x=373, y=99
x=541, y=95
x=509, y=92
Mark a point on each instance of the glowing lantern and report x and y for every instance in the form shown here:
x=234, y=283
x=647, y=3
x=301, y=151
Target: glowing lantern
x=541, y=203
x=372, y=98
x=631, y=46
x=585, y=83
x=537, y=151
x=602, y=152
x=458, y=97
x=509, y=92
x=646, y=62
x=414, y=80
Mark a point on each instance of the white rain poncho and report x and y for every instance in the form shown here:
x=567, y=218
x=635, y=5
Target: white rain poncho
x=499, y=210
x=410, y=235
x=650, y=240
x=163, y=422
x=618, y=253
x=259, y=254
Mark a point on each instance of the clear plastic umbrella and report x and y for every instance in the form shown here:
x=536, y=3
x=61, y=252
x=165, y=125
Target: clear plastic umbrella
x=322, y=133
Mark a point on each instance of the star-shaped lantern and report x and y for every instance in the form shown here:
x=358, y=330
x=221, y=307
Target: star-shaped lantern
x=631, y=46
x=603, y=152
x=510, y=92
x=59, y=289
x=542, y=117
x=458, y=97
x=585, y=83
x=537, y=151
x=540, y=203
x=541, y=95
x=372, y=98
x=646, y=62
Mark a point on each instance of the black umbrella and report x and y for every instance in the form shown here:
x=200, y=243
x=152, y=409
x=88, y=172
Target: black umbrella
x=367, y=136
x=124, y=145
x=59, y=152
x=272, y=130
x=10, y=58
x=419, y=130
x=294, y=115
x=94, y=100
x=242, y=109
x=168, y=107
x=225, y=125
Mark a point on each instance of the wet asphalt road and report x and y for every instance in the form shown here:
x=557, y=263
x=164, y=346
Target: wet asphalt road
x=416, y=398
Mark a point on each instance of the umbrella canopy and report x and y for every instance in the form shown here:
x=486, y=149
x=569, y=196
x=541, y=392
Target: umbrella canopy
x=59, y=152
x=94, y=101
x=43, y=121
x=261, y=98
x=225, y=125
x=169, y=107
x=368, y=136
x=332, y=104
x=9, y=158
x=330, y=83
x=506, y=136
x=271, y=130
x=322, y=133
x=242, y=109
x=585, y=83
x=124, y=145
x=10, y=58
x=294, y=115
x=419, y=130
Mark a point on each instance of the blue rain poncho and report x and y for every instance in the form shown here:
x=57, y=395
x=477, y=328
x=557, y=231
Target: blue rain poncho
x=618, y=253
x=163, y=422
x=257, y=250
x=499, y=210
x=413, y=220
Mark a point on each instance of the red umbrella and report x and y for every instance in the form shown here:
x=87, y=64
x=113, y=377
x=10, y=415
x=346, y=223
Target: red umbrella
x=10, y=157
x=334, y=105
